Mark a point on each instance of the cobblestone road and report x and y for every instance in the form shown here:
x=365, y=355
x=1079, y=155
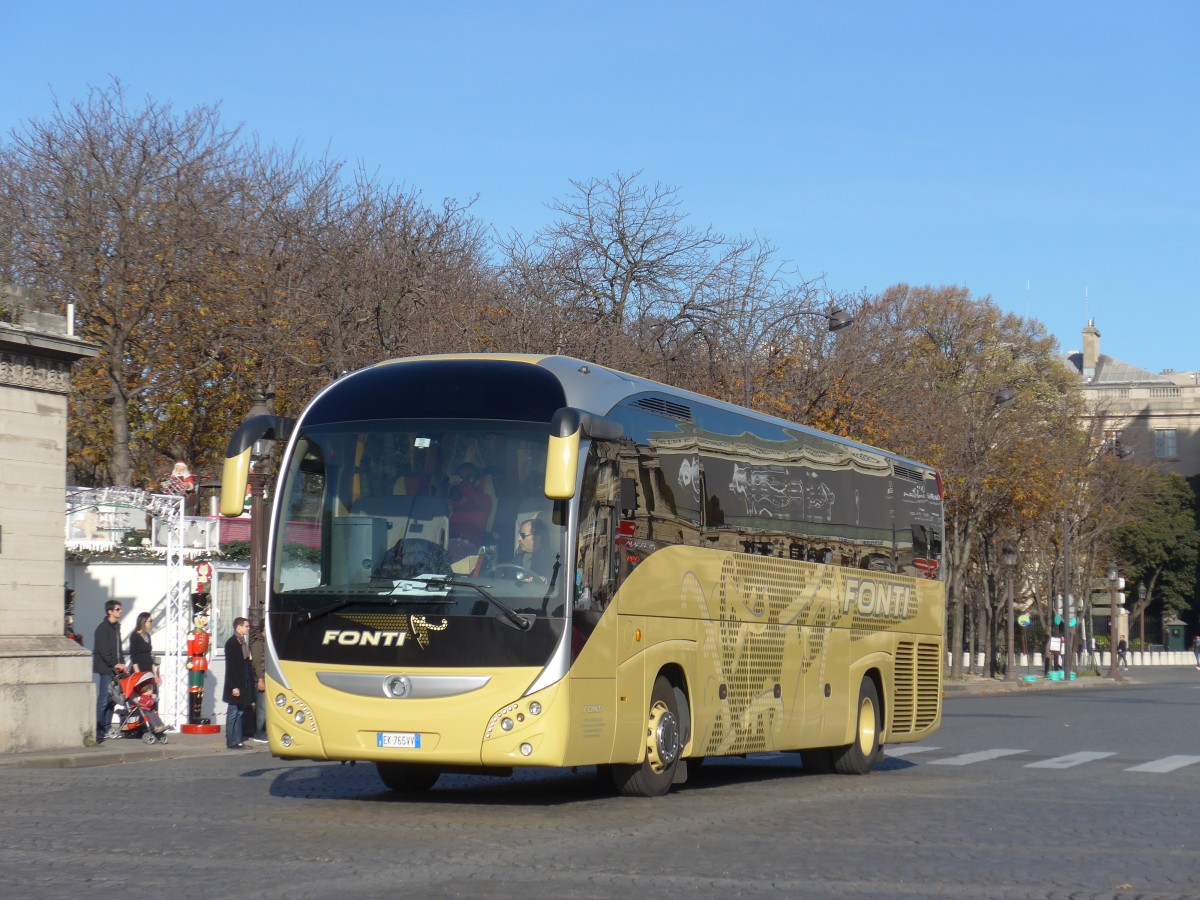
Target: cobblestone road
x=246, y=824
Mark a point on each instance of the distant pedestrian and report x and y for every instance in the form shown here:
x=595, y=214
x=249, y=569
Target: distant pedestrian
x=1054, y=653
x=239, y=682
x=141, y=651
x=258, y=666
x=1122, y=649
x=1196, y=650
x=108, y=663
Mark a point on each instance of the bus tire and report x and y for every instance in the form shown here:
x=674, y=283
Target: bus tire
x=859, y=756
x=407, y=777
x=817, y=760
x=654, y=776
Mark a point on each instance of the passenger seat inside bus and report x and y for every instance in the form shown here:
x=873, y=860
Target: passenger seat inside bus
x=408, y=516
x=487, y=484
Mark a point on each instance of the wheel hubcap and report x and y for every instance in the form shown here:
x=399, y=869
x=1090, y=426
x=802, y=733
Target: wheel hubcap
x=866, y=727
x=663, y=746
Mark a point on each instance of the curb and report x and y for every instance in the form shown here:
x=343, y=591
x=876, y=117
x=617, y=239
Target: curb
x=121, y=751
x=983, y=687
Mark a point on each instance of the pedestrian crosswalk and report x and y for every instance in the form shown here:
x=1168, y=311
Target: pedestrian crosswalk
x=1066, y=762
x=1166, y=764
x=1157, y=766
x=967, y=759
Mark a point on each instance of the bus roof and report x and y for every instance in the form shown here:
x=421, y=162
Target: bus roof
x=598, y=389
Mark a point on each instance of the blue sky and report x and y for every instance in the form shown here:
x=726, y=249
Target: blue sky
x=1030, y=151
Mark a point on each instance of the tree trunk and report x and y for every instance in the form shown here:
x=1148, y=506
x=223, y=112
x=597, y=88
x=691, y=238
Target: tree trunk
x=958, y=553
x=988, y=639
x=971, y=624
x=122, y=459
x=956, y=639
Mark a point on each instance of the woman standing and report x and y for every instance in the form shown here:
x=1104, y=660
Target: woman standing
x=141, y=653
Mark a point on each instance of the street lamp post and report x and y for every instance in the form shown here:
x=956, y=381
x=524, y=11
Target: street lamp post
x=258, y=480
x=1142, y=617
x=1068, y=611
x=1113, y=629
x=836, y=319
x=1009, y=555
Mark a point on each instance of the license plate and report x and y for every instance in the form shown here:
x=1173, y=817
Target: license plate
x=405, y=740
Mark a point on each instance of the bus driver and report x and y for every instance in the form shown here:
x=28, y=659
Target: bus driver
x=533, y=549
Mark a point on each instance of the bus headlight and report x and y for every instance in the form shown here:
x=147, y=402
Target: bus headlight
x=535, y=708
x=526, y=749
x=280, y=700
x=506, y=723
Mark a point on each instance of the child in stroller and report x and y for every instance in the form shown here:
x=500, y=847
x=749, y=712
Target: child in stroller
x=134, y=693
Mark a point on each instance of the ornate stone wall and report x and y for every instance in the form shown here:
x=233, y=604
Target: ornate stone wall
x=47, y=697
x=24, y=371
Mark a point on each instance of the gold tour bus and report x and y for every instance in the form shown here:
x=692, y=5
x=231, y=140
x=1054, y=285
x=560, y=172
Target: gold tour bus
x=479, y=562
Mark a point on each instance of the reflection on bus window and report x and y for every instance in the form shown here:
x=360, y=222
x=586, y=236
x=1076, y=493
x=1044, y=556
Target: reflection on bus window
x=370, y=504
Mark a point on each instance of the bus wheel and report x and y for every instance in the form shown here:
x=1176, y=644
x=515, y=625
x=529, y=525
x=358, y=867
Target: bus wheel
x=858, y=757
x=654, y=776
x=407, y=776
x=817, y=760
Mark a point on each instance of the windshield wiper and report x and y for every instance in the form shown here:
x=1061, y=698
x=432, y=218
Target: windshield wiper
x=390, y=599
x=431, y=582
x=507, y=611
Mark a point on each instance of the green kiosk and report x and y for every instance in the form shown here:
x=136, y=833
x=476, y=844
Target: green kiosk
x=1176, y=634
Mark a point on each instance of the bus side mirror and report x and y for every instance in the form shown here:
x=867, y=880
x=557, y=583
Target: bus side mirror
x=234, y=476
x=562, y=461
x=567, y=428
x=236, y=471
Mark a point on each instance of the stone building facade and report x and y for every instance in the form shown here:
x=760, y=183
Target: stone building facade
x=47, y=699
x=1154, y=417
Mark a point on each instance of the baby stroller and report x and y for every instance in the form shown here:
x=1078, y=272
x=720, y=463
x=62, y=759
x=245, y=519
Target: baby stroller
x=137, y=719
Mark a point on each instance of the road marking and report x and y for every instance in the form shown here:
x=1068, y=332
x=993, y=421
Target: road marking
x=967, y=758
x=1166, y=764
x=1065, y=762
x=908, y=750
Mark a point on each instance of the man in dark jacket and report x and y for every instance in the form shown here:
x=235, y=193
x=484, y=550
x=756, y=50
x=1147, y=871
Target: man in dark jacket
x=108, y=663
x=258, y=663
x=239, y=682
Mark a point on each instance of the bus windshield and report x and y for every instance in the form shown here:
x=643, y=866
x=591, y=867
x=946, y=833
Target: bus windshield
x=444, y=518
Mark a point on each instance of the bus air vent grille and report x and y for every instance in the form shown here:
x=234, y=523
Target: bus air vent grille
x=909, y=473
x=665, y=408
x=904, y=703
x=929, y=685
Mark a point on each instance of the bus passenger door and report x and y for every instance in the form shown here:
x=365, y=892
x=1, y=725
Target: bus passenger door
x=593, y=634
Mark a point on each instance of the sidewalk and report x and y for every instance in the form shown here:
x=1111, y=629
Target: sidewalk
x=118, y=751
x=982, y=685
